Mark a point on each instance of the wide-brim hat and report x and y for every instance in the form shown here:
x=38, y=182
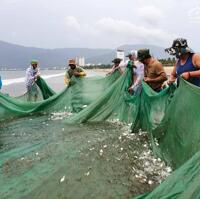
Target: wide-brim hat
x=116, y=60
x=71, y=62
x=178, y=44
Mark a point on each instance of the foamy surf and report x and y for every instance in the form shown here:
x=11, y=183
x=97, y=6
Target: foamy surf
x=8, y=82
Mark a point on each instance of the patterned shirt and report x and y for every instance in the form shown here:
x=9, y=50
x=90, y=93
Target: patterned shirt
x=31, y=75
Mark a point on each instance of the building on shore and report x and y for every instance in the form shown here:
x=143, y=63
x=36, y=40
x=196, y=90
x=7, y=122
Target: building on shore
x=120, y=55
x=81, y=61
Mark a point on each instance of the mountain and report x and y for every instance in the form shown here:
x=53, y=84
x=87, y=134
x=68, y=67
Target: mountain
x=156, y=51
x=16, y=56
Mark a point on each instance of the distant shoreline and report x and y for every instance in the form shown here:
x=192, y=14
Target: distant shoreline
x=23, y=69
x=96, y=68
x=167, y=68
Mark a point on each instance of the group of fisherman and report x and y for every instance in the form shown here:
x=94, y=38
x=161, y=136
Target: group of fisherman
x=148, y=69
x=144, y=68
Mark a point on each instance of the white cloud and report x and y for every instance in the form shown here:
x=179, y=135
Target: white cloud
x=72, y=22
x=150, y=14
x=109, y=32
x=87, y=23
x=127, y=31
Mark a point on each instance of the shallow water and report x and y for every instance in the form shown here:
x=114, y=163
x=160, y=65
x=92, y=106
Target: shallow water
x=14, y=81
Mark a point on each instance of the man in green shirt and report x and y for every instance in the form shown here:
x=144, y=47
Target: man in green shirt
x=74, y=70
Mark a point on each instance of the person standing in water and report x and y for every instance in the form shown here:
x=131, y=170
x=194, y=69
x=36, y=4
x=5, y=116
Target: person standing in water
x=74, y=70
x=187, y=65
x=32, y=74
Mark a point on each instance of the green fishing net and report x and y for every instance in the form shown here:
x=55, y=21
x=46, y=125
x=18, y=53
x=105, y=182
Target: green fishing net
x=75, y=97
x=175, y=138
x=51, y=160
x=43, y=91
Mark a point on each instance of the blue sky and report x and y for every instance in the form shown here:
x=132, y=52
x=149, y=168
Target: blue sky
x=99, y=23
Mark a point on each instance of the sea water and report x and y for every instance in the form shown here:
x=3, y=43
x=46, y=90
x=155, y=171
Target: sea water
x=14, y=81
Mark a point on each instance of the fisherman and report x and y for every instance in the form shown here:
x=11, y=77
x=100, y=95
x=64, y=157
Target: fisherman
x=130, y=56
x=0, y=83
x=154, y=74
x=73, y=71
x=138, y=73
x=32, y=75
x=116, y=66
x=187, y=65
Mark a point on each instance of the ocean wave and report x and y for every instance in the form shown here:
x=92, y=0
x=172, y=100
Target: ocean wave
x=8, y=82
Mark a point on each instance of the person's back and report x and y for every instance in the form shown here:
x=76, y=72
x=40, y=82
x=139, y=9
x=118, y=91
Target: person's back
x=155, y=70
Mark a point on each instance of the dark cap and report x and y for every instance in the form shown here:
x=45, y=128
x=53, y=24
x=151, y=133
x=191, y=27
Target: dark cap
x=116, y=60
x=143, y=54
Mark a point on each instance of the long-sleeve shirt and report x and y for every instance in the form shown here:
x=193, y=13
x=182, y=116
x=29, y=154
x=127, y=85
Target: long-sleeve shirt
x=138, y=72
x=31, y=76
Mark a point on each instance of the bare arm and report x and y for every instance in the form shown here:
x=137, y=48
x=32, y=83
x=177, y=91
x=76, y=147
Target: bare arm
x=196, y=62
x=114, y=69
x=111, y=71
x=172, y=78
x=120, y=70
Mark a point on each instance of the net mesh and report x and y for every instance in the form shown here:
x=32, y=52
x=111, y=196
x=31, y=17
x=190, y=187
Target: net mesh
x=42, y=150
